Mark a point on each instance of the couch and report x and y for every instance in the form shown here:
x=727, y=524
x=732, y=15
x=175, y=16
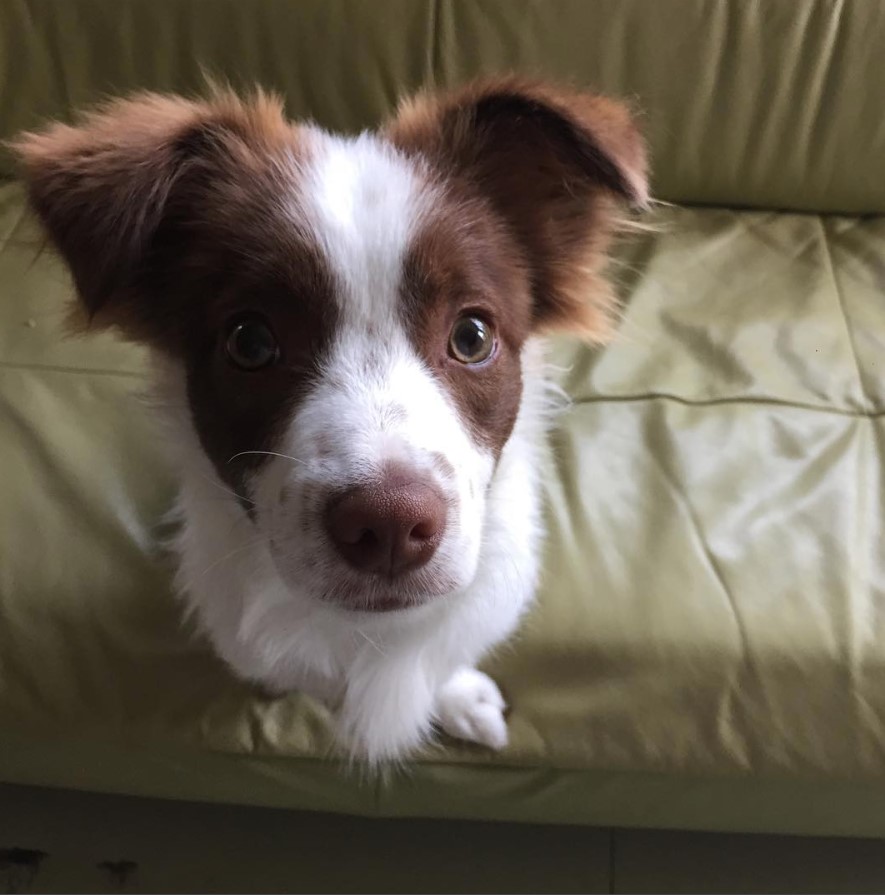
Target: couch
x=708, y=648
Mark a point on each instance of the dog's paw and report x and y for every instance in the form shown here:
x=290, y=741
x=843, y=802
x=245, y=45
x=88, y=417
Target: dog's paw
x=470, y=706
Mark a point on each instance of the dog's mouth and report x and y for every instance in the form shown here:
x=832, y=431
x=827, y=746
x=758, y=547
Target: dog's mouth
x=380, y=594
x=382, y=605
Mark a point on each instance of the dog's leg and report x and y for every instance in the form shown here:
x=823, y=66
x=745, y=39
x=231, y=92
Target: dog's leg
x=469, y=706
x=387, y=710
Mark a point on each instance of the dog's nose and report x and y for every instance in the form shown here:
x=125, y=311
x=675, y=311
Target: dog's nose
x=390, y=527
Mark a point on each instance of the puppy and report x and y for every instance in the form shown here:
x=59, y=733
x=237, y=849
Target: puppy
x=348, y=338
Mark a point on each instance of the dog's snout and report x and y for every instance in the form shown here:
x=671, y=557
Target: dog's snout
x=389, y=527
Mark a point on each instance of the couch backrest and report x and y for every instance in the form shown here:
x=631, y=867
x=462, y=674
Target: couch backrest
x=762, y=103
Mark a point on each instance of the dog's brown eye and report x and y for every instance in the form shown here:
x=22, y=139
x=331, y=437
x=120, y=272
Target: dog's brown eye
x=471, y=341
x=251, y=345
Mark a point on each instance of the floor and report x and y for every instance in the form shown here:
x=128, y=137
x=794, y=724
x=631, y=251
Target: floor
x=57, y=841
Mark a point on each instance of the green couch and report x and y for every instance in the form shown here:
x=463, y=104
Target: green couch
x=708, y=650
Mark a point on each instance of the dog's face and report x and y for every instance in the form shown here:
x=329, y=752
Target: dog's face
x=348, y=316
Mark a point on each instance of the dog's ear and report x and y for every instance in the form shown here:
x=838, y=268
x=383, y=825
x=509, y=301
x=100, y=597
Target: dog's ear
x=554, y=164
x=103, y=187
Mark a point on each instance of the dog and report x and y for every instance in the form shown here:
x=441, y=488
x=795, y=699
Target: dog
x=348, y=335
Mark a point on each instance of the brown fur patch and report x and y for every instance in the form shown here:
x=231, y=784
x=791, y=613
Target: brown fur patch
x=168, y=214
x=464, y=263
x=552, y=164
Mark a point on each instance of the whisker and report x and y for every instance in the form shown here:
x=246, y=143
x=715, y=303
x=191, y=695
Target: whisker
x=230, y=491
x=369, y=640
x=269, y=454
x=251, y=545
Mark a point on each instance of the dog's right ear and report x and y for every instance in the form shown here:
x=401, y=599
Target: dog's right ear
x=554, y=164
x=103, y=187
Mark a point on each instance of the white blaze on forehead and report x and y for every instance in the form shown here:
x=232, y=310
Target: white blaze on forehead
x=364, y=202
x=375, y=400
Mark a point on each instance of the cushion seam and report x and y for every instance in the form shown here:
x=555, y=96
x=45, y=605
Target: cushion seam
x=739, y=401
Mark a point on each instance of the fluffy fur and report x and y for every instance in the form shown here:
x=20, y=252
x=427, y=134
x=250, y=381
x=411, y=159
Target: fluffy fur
x=360, y=255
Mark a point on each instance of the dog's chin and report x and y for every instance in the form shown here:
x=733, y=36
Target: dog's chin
x=352, y=591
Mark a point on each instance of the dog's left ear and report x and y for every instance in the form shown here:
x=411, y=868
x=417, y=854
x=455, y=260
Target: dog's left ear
x=555, y=165
x=106, y=187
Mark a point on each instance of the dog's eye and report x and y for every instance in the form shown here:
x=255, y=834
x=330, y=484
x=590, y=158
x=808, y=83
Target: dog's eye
x=471, y=341
x=251, y=345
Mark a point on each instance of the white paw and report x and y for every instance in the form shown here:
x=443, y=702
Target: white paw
x=469, y=706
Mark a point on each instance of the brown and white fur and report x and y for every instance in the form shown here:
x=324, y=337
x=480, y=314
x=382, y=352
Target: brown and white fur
x=181, y=219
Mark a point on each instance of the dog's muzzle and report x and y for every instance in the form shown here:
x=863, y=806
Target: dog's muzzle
x=390, y=526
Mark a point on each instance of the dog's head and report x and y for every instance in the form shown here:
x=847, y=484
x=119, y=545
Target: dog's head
x=348, y=316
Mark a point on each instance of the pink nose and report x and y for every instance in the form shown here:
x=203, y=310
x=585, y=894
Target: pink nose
x=390, y=527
